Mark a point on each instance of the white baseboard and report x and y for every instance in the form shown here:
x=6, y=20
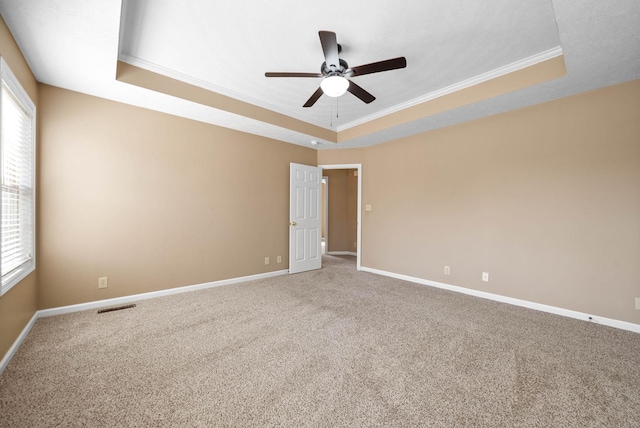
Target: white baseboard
x=623, y=325
x=121, y=300
x=10, y=353
x=341, y=253
x=153, y=294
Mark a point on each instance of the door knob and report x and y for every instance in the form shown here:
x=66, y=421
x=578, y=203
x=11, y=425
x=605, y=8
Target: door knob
x=293, y=223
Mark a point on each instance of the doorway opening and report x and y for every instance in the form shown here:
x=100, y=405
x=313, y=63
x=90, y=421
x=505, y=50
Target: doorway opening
x=342, y=213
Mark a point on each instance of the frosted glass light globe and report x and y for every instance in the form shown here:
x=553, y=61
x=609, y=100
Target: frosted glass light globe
x=334, y=86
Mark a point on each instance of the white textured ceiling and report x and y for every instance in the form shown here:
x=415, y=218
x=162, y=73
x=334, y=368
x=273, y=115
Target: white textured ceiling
x=228, y=46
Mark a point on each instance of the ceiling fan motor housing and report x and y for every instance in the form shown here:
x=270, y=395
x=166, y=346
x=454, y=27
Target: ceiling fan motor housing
x=333, y=69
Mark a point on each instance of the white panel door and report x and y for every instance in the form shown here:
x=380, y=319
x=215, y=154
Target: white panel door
x=305, y=218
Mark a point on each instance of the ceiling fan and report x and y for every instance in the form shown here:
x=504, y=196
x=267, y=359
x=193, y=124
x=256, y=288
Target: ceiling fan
x=335, y=72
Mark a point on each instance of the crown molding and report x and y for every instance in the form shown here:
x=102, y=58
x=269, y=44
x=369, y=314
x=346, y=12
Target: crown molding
x=186, y=78
x=481, y=78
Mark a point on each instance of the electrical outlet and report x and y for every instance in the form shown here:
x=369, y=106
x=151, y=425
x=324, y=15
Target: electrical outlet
x=279, y=259
x=485, y=276
x=638, y=303
x=355, y=245
x=266, y=260
x=102, y=282
x=447, y=270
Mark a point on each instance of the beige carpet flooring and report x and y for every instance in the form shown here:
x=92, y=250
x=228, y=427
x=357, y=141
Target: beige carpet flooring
x=333, y=347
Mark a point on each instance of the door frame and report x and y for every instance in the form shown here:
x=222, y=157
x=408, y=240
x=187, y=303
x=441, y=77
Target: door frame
x=358, y=167
x=325, y=213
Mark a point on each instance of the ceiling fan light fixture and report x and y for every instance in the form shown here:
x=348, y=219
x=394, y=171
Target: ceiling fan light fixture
x=334, y=69
x=334, y=86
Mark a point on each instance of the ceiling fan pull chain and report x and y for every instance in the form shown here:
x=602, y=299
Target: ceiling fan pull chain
x=331, y=115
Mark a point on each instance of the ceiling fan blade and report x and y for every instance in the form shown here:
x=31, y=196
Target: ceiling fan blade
x=311, y=101
x=376, y=67
x=330, y=48
x=360, y=93
x=287, y=74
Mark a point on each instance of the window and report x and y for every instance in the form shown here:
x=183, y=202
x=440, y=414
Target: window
x=17, y=161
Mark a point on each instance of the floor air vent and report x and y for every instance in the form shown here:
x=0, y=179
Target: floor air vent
x=115, y=308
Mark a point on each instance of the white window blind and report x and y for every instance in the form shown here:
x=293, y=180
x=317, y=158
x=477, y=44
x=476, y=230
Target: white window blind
x=17, y=129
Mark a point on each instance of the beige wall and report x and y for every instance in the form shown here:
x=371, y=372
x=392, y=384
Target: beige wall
x=341, y=156
x=153, y=201
x=18, y=305
x=343, y=203
x=546, y=199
